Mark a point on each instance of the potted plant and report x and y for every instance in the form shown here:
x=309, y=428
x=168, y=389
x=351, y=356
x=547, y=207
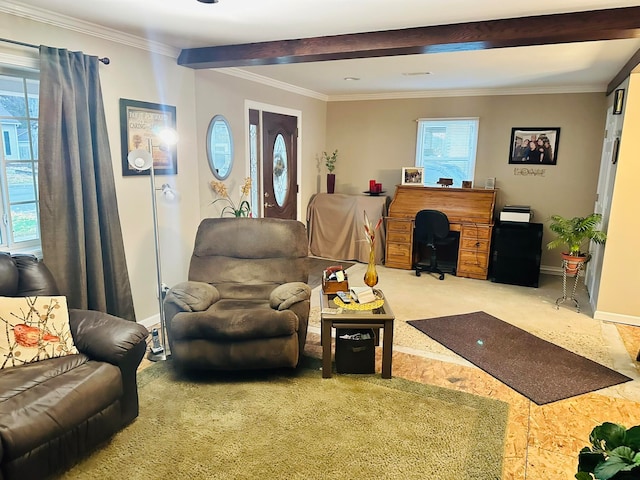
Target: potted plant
x=330, y=163
x=574, y=233
x=614, y=454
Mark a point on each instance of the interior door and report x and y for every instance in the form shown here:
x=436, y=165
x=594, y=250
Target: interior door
x=608, y=167
x=280, y=165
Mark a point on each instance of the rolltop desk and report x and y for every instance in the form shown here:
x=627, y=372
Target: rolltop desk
x=470, y=212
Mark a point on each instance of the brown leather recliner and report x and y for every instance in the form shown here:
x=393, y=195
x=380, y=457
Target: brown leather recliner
x=246, y=303
x=52, y=412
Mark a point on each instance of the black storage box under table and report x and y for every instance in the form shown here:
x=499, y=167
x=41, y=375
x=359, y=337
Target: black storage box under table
x=355, y=354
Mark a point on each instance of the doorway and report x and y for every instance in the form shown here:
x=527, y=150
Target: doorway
x=274, y=161
x=606, y=180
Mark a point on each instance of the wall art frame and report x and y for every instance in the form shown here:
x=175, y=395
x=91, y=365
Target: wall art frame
x=534, y=145
x=412, y=175
x=141, y=124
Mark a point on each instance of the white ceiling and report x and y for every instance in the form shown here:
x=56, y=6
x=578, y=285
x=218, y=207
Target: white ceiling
x=588, y=66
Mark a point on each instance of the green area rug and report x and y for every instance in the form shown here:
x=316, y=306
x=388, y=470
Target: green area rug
x=297, y=425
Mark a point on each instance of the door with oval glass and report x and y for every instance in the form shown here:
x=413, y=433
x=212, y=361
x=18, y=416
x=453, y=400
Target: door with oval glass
x=279, y=165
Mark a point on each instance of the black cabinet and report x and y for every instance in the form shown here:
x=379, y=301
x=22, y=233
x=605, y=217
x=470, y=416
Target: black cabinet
x=516, y=249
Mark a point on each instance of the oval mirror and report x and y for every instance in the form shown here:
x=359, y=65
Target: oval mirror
x=220, y=147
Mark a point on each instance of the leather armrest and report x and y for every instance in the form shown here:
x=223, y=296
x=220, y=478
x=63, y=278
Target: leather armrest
x=285, y=295
x=105, y=337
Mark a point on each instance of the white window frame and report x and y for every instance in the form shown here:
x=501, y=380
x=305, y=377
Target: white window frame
x=441, y=165
x=6, y=227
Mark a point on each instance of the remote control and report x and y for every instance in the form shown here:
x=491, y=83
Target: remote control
x=344, y=296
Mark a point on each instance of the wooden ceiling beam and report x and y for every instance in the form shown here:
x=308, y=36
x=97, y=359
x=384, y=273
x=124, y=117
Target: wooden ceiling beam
x=594, y=25
x=624, y=72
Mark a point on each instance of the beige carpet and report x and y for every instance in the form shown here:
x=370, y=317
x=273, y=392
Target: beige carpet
x=297, y=425
x=531, y=309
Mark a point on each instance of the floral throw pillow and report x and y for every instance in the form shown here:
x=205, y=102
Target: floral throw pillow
x=32, y=329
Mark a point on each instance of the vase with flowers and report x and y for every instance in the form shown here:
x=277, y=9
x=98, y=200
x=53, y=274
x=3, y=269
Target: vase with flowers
x=232, y=209
x=371, y=275
x=330, y=163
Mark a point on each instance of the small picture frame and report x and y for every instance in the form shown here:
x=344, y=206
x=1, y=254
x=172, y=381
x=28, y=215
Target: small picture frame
x=534, y=145
x=412, y=175
x=140, y=125
x=618, y=101
x=466, y=184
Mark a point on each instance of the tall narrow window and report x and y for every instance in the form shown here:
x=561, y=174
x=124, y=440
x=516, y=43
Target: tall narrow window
x=446, y=148
x=19, y=162
x=254, y=152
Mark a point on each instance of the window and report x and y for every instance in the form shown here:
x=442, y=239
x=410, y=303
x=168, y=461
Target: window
x=19, y=226
x=446, y=148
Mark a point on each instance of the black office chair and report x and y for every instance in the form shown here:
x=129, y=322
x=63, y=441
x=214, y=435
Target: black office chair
x=432, y=231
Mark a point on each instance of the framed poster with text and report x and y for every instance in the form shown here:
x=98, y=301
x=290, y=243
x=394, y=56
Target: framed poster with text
x=141, y=127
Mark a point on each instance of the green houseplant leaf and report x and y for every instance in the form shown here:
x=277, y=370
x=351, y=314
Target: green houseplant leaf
x=614, y=454
x=632, y=438
x=610, y=468
x=330, y=160
x=575, y=232
x=607, y=436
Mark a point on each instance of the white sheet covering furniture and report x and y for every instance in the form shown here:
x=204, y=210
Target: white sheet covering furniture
x=336, y=226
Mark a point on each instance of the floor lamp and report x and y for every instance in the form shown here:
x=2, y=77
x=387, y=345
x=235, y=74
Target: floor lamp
x=142, y=160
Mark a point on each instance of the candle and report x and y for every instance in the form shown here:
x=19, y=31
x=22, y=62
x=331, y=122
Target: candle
x=372, y=185
x=378, y=187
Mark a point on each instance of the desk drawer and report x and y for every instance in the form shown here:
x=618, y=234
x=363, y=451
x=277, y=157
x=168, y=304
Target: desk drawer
x=475, y=232
x=405, y=226
x=472, y=259
x=398, y=237
x=473, y=244
x=398, y=255
x=399, y=250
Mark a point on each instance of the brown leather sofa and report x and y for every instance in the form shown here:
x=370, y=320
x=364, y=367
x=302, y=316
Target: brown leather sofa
x=246, y=304
x=54, y=411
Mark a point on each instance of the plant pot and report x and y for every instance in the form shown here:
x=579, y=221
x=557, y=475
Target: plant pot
x=331, y=182
x=574, y=263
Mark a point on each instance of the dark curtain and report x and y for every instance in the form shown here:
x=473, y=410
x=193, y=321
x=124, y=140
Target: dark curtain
x=79, y=223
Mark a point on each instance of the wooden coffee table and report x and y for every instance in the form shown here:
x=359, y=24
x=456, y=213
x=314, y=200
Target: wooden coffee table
x=378, y=318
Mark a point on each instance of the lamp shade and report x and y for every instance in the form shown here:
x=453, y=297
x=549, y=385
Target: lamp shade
x=140, y=159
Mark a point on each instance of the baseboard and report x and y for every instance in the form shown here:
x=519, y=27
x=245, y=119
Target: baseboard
x=617, y=318
x=151, y=321
x=551, y=270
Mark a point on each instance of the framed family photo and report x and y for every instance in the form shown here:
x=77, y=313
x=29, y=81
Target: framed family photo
x=412, y=175
x=141, y=124
x=534, y=146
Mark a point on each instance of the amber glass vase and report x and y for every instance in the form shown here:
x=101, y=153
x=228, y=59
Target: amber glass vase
x=371, y=276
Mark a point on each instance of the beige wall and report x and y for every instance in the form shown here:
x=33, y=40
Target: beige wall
x=377, y=138
x=618, y=299
x=219, y=93
x=138, y=75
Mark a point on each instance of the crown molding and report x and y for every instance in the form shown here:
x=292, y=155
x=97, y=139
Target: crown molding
x=483, y=92
x=238, y=72
x=478, y=92
x=14, y=7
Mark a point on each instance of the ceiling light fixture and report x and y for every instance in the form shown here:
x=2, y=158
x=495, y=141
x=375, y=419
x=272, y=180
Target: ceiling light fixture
x=351, y=79
x=208, y=1
x=415, y=74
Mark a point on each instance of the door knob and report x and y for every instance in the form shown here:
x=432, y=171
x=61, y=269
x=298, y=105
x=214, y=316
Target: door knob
x=268, y=205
